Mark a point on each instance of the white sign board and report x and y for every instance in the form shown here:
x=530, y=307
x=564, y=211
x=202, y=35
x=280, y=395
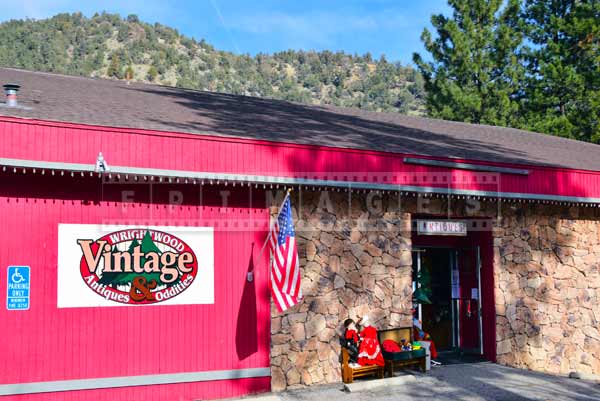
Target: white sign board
x=441, y=227
x=102, y=265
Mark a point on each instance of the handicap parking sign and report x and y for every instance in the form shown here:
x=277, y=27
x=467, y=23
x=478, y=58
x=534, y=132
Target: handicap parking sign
x=18, y=288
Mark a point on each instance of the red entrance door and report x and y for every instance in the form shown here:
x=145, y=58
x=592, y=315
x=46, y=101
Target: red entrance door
x=469, y=308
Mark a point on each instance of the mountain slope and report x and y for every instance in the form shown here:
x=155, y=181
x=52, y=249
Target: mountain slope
x=106, y=45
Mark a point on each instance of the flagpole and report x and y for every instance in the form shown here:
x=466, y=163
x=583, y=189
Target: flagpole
x=287, y=195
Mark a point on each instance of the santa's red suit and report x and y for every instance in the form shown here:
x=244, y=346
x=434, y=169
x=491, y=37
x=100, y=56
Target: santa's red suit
x=369, y=352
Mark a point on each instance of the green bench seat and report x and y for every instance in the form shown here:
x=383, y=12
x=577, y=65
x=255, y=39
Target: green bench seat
x=404, y=355
x=402, y=358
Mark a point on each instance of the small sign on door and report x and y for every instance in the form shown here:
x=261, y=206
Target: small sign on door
x=455, y=291
x=474, y=293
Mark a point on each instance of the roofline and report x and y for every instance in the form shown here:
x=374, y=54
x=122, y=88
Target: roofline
x=265, y=142
x=247, y=179
x=154, y=84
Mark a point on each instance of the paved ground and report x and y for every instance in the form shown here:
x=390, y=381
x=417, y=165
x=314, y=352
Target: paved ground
x=469, y=382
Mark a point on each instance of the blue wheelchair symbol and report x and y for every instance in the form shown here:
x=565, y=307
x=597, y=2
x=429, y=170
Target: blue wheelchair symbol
x=16, y=277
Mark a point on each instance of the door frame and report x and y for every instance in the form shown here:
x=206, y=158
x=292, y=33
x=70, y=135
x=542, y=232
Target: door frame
x=453, y=256
x=477, y=235
x=477, y=256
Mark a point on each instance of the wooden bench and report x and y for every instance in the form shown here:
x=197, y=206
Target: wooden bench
x=349, y=373
x=404, y=358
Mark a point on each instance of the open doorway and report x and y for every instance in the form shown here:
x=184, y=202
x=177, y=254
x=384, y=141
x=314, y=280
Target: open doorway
x=447, y=286
x=432, y=276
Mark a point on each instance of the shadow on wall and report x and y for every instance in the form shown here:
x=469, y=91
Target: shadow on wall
x=246, y=331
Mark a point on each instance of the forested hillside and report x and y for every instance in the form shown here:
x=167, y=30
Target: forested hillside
x=107, y=45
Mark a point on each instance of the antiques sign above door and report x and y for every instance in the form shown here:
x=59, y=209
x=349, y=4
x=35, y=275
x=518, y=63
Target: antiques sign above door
x=441, y=227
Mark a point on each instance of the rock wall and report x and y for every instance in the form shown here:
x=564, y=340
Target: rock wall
x=547, y=275
x=356, y=260
x=547, y=283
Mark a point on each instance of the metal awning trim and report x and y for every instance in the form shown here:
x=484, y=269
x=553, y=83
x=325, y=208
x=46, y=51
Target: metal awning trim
x=44, y=165
x=209, y=177
x=465, y=166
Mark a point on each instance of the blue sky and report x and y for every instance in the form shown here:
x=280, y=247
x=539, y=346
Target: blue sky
x=391, y=27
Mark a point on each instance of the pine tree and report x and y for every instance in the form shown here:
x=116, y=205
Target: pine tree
x=475, y=74
x=147, y=245
x=112, y=278
x=114, y=68
x=151, y=74
x=563, y=85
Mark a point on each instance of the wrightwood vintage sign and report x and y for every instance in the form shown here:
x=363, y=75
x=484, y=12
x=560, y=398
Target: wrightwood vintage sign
x=117, y=265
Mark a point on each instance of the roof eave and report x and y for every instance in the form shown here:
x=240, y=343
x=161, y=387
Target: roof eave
x=127, y=173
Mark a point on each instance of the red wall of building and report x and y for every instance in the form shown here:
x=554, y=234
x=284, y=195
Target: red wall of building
x=48, y=344
x=51, y=344
x=61, y=142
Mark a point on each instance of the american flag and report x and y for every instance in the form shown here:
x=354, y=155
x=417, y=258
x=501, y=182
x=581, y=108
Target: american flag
x=285, y=270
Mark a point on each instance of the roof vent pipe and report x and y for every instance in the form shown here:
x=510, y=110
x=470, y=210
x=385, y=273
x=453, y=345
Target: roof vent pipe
x=11, y=94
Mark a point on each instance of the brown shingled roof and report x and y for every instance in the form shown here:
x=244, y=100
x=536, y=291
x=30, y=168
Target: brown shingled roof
x=116, y=104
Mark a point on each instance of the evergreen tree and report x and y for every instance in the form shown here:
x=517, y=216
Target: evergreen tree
x=475, y=75
x=114, y=68
x=151, y=74
x=146, y=246
x=115, y=279
x=563, y=63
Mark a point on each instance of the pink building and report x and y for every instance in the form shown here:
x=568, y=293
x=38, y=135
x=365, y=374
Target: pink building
x=144, y=276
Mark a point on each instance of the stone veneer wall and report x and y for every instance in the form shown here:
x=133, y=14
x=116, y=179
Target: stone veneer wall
x=358, y=261
x=349, y=269
x=547, y=274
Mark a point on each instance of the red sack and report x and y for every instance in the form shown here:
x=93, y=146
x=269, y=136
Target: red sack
x=391, y=346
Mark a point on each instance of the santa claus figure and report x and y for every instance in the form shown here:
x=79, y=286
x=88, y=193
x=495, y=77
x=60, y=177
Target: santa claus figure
x=369, y=351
